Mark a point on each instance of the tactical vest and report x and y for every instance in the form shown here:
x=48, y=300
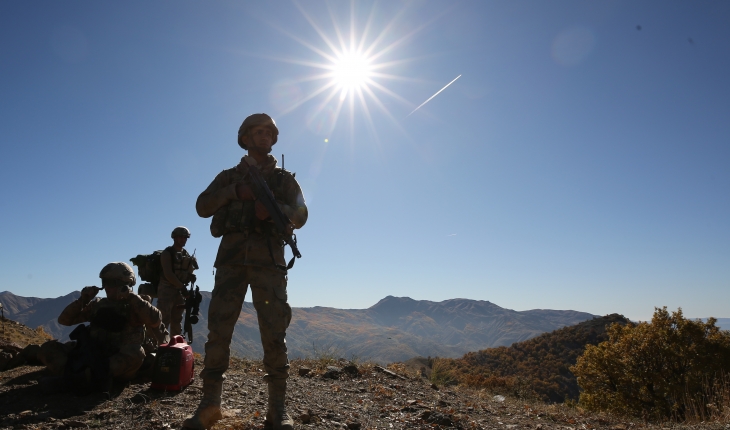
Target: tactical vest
x=181, y=262
x=110, y=325
x=239, y=216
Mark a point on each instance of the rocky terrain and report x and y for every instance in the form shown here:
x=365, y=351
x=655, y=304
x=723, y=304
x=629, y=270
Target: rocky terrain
x=323, y=394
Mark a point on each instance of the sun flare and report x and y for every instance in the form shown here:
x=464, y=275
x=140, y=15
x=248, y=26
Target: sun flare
x=351, y=71
x=355, y=63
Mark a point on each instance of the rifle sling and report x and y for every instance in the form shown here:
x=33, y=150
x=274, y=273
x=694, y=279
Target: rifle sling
x=273, y=260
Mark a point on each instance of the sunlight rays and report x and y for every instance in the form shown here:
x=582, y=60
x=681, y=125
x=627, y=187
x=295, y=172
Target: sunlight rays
x=352, y=69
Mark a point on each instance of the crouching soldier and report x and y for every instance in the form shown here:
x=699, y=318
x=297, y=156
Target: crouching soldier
x=111, y=346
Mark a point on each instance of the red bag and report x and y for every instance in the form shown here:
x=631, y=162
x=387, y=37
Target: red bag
x=174, y=365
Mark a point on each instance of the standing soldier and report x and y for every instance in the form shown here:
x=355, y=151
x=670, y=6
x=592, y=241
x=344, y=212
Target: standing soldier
x=177, y=271
x=251, y=252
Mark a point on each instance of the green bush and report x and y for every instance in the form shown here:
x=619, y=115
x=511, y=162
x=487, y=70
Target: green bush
x=653, y=370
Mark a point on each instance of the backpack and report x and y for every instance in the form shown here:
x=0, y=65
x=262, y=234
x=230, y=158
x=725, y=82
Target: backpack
x=149, y=267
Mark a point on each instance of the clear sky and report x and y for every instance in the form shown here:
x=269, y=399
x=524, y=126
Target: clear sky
x=581, y=161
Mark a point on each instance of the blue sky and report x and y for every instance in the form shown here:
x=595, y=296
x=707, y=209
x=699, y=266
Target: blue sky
x=579, y=162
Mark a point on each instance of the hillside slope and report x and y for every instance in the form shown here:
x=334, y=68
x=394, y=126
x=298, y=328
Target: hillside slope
x=537, y=366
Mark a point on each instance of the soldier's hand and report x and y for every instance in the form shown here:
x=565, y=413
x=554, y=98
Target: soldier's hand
x=261, y=212
x=244, y=192
x=88, y=293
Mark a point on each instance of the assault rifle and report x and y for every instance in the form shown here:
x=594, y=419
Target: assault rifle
x=282, y=222
x=192, y=308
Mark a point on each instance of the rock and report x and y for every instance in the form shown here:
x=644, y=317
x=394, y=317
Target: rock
x=354, y=425
x=388, y=372
x=351, y=370
x=140, y=398
x=30, y=353
x=440, y=419
x=11, y=347
x=498, y=398
x=304, y=371
x=5, y=358
x=332, y=372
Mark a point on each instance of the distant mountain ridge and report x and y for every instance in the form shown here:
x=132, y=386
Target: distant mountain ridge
x=394, y=329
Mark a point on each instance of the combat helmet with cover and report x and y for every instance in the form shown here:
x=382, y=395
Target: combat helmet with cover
x=254, y=120
x=180, y=231
x=118, y=276
x=118, y=273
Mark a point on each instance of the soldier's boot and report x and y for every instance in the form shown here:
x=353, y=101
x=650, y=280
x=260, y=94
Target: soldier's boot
x=209, y=409
x=276, y=416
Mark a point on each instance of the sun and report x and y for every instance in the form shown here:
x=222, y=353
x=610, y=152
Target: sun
x=353, y=62
x=351, y=71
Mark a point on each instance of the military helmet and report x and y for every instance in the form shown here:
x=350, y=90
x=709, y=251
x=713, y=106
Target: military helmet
x=120, y=272
x=253, y=121
x=180, y=231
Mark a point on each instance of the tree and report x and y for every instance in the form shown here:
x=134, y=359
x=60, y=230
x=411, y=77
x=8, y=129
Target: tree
x=653, y=370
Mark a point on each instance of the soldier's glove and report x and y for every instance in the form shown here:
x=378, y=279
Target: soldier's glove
x=244, y=192
x=261, y=212
x=88, y=293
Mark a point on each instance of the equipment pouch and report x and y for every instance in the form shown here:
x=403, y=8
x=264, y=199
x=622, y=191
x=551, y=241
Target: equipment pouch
x=236, y=216
x=149, y=289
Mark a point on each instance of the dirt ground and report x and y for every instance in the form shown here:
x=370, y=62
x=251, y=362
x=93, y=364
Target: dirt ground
x=322, y=394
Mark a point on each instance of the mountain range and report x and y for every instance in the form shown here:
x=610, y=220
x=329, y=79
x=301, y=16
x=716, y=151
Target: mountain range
x=394, y=329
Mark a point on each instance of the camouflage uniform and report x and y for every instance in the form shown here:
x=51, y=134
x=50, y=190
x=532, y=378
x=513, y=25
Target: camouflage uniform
x=170, y=300
x=137, y=313
x=248, y=255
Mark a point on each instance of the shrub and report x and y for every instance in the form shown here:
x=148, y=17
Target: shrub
x=441, y=372
x=42, y=333
x=653, y=370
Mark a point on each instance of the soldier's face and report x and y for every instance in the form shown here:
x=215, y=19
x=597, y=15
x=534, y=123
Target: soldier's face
x=115, y=289
x=260, y=138
x=180, y=241
x=116, y=292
